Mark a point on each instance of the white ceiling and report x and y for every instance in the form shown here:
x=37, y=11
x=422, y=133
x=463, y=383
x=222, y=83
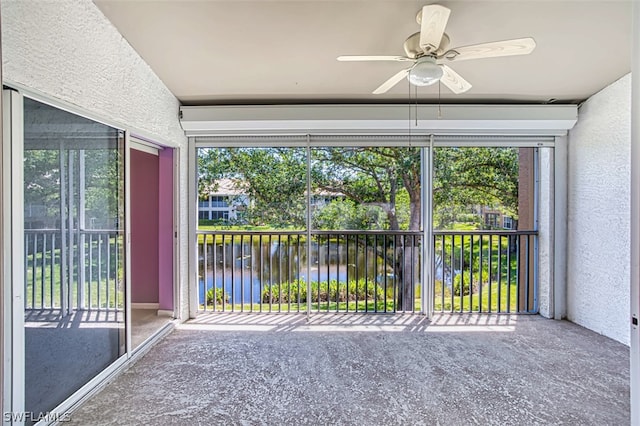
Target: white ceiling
x=234, y=51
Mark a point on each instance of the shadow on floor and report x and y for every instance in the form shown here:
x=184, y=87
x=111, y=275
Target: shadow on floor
x=355, y=369
x=352, y=322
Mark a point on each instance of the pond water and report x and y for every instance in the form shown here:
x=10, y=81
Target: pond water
x=245, y=267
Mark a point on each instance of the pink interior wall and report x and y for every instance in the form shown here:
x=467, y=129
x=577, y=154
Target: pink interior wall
x=165, y=229
x=144, y=227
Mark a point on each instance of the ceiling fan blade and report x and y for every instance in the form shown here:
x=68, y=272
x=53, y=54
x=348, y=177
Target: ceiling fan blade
x=395, y=79
x=453, y=81
x=372, y=58
x=434, y=20
x=519, y=46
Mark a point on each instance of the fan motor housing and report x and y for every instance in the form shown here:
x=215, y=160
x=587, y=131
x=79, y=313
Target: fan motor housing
x=413, y=50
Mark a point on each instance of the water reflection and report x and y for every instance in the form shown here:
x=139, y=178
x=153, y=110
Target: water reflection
x=244, y=267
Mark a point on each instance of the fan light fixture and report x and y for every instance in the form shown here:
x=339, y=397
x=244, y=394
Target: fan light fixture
x=428, y=53
x=425, y=72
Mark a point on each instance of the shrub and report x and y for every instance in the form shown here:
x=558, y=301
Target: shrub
x=439, y=287
x=468, y=218
x=285, y=292
x=324, y=291
x=220, y=294
x=464, y=279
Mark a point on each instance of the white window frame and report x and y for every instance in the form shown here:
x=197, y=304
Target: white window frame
x=359, y=137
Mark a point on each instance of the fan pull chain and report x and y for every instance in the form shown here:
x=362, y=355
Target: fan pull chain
x=409, y=103
x=439, y=110
x=416, y=93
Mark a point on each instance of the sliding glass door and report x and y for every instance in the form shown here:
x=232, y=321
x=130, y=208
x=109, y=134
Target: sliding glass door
x=74, y=292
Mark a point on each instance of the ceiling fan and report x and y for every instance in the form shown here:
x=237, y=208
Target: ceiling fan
x=429, y=52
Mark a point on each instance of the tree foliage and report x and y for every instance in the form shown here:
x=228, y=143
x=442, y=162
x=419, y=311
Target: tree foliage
x=104, y=181
x=347, y=214
x=470, y=177
x=44, y=183
x=275, y=179
x=372, y=176
x=366, y=182
x=41, y=182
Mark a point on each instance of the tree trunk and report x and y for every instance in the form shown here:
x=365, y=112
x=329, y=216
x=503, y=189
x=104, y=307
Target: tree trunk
x=407, y=265
x=407, y=273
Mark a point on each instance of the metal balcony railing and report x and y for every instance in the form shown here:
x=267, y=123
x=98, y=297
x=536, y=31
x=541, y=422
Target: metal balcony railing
x=485, y=271
x=365, y=271
x=67, y=270
x=341, y=271
x=275, y=271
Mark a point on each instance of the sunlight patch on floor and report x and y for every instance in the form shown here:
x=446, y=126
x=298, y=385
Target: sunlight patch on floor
x=441, y=323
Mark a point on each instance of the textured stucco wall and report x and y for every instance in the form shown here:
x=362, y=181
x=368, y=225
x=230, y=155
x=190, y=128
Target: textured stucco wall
x=545, y=232
x=68, y=50
x=598, y=214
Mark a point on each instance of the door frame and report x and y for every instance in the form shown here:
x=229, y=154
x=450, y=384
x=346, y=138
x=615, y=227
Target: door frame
x=135, y=142
x=13, y=363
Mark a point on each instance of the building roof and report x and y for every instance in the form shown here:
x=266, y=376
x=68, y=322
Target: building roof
x=226, y=187
x=230, y=187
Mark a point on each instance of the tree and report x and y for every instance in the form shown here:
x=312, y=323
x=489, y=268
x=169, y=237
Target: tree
x=43, y=181
x=41, y=187
x=372, y=176
x=104, y=182
x=273, y=178
x=470, y=176
x=347, y=214
x=376, y=176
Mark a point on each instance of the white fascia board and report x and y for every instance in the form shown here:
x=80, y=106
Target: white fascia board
x=552, y=120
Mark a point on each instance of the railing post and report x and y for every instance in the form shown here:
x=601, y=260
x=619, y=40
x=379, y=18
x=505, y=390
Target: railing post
x=427, y=292
x=63, y=235
x=308, y=225
x=205, y=272
x=81, y=228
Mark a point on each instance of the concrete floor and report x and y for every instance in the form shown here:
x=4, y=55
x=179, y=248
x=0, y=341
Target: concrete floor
x=144, y=324
x=371, y=370
x=62, y=353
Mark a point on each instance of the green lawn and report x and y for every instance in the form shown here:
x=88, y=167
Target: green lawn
x=223, y=228
x=464, y=226
x=97, y=293
x=469, y=303
x=473, y=302
x=361, y=306
x=219, y=238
